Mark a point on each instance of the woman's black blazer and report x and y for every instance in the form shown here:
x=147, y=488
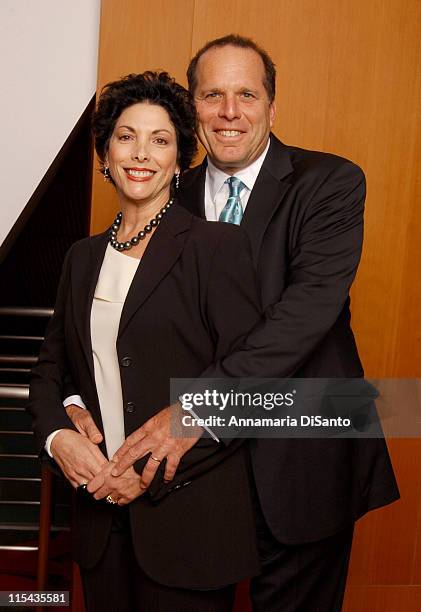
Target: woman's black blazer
x=193, y=298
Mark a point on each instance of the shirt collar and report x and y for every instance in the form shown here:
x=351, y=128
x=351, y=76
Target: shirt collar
x=248, y=175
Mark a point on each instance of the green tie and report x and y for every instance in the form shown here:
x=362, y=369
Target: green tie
x=233, y=211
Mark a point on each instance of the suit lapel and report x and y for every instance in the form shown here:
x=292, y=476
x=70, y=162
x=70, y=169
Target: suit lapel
x=269, y=189
x=192, y=195
x=85, y=278
x=162, y=252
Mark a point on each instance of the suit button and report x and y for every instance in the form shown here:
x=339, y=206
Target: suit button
x=130, y=407
x=126, y=362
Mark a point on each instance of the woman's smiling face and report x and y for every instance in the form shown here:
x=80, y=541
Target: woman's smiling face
x=142, y=154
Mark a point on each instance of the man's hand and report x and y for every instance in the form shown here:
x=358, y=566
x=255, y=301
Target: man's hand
x=165, y=437
x=123, y=489
x=78, y=458
x=84, y=423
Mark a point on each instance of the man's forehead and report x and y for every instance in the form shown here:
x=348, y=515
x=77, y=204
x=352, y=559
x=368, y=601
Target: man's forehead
x=230, y=60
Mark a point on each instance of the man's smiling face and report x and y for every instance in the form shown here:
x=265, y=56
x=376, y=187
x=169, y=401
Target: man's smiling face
x=235, y=114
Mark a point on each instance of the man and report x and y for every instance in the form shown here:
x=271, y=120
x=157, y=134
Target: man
x=303, y=212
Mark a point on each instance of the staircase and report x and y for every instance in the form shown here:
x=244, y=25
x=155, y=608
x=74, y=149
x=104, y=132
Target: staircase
x=21, y=334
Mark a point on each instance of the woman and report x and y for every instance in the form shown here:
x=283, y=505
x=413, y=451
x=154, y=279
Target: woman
x=161, y=295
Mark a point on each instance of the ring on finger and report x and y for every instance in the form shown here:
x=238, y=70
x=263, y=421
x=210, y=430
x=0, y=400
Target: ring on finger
x=156, y=459
x=110, y=500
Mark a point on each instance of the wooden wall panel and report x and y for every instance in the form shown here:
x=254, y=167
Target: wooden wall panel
x=384, y=544
x=383, y=599
x=349, y=82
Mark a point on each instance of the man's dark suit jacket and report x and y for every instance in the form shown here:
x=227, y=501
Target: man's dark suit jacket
x=304, y=218
x=193, y=297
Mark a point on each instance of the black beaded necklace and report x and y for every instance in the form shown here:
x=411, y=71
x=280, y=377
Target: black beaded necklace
x=126, y=246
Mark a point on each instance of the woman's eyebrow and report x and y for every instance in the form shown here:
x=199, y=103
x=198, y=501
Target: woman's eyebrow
x=126, y=127
x=131, y=129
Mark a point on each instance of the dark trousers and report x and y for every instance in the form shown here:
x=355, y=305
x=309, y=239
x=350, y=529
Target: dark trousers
x=117, y=583
x=301, y=578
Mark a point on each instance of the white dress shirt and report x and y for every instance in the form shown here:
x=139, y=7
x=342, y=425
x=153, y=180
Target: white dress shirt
x=115, y=278
x=217, y=190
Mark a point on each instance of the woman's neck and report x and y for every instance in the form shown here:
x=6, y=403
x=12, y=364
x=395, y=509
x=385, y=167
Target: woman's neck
x=135, y=215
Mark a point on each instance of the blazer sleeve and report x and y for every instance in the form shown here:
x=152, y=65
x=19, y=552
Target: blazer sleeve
x=324, y=257
x=323, y=263
x=50, y=378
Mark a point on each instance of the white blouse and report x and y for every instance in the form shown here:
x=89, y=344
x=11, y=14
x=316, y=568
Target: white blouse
x=113, y=284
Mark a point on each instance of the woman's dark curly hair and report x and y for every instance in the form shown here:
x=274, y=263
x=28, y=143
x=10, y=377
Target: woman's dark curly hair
x=155, y=88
